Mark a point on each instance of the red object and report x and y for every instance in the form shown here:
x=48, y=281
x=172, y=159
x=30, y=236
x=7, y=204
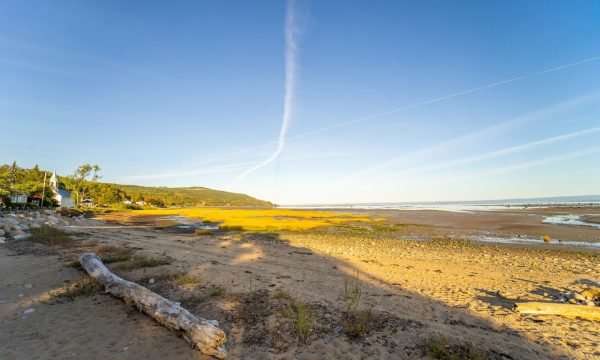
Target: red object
x=35, y=197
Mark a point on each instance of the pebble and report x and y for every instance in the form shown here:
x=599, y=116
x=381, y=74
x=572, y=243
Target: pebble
x=29, y=311
x=151, y=281
x=28, y=286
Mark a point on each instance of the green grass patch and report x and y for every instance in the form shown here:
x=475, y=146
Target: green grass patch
x=139, y=262
x=50, y=236
x=442, y=349
x=83, y=287
x=186, y=279
x=216, y=291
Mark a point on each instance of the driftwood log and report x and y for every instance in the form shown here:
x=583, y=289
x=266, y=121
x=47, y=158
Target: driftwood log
x=203, y=334
x=566, y=310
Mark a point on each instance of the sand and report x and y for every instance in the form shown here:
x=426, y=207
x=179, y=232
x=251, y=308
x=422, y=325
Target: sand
x=416, y=290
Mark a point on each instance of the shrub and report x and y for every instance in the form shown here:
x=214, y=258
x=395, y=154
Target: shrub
x=302, y=319
x=358, y=323
x=352, y=293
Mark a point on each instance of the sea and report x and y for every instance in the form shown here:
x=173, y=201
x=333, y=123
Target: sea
x=460, y=206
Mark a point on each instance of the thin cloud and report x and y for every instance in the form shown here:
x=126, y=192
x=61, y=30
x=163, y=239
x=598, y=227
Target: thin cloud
x=487, y=132
x=497, y=153
x=524, y=165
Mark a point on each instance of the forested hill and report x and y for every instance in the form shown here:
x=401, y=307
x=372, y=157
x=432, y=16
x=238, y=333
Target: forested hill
x=191, y=196
x=83, y=185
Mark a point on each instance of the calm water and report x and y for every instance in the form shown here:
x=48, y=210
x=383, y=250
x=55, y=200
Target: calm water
x=593, y=200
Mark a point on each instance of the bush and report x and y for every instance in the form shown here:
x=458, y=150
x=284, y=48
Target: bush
x=302, y=319
x=358, y=323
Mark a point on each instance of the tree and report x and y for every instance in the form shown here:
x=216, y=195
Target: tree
x=80, y=181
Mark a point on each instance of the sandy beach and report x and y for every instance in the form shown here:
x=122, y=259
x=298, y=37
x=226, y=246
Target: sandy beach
x=415, y=290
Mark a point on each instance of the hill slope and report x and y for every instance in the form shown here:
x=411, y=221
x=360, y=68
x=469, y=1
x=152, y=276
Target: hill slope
x=14, y=179
x=191, y=196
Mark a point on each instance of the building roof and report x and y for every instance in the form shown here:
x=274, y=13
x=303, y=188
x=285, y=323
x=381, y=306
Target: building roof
x=64, y=193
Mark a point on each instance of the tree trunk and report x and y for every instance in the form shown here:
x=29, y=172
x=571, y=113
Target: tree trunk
x=203, y=334
x=566, y=310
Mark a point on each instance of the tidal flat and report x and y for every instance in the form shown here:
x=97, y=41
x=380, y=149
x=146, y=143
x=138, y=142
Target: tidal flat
x=383, y=284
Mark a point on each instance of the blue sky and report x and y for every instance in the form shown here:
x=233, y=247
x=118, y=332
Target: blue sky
x=392, y=100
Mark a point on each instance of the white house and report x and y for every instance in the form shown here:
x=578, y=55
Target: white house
x=62, y=196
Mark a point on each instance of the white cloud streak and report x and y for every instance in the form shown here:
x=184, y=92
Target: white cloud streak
x=496, y=154
x=524, y=165
x=494, y=130
x=292, y=35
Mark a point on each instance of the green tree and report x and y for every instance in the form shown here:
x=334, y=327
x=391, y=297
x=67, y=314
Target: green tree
x=80, y=181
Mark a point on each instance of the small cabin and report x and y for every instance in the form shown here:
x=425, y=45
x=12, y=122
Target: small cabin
x=88, y=203
x=35, y=200
x=18, y=198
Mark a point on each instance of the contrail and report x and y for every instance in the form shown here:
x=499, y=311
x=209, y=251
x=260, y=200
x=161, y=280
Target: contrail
x=291, y=54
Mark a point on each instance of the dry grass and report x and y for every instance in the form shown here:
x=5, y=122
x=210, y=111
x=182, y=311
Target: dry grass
x=203, y=232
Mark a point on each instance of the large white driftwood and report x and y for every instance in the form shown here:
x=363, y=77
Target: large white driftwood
x=204, y=334
x=566, y=310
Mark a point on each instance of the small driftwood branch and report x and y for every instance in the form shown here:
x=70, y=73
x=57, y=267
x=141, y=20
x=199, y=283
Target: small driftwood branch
x=203, y=334
x=566, y=310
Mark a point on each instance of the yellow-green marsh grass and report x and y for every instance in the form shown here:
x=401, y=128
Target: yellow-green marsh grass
x=262, y=219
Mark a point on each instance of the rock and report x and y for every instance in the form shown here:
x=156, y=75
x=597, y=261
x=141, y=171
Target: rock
x=11, y=221
x=29, y=311
x=16, y=232
x=2, y=232
x=28, y=286
x=21, y=237
x=151, y=281
x=52, y=219
x=35, y=226
x=2, y=240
